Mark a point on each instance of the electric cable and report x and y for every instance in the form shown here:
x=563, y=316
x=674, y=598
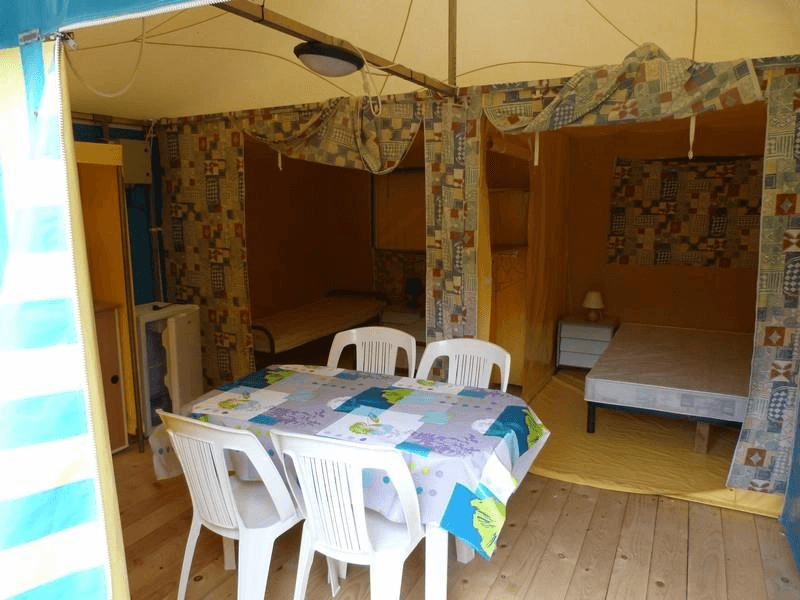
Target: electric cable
x=399, y=42
x=126, y=87
x=607, y=20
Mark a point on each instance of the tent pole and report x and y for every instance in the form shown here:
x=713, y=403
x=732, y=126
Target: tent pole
x=452, y=33
x=273, y=20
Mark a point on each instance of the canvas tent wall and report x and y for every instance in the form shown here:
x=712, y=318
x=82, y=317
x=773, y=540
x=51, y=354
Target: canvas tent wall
x=46, y=318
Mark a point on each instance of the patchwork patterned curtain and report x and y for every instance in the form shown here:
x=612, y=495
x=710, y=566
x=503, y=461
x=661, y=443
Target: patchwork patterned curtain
x=701, y=212
x=452, y=170
x=342, y=132
x=205, y=247
x=647, y=86
x=763, y=456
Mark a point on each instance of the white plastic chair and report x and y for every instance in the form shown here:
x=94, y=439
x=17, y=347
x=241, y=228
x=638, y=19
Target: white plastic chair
x=253, y=512
x=325, y=476
x=470, y=361
x=376, y=349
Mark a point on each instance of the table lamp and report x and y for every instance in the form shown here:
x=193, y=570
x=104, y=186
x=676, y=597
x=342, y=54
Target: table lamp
x=593, y=301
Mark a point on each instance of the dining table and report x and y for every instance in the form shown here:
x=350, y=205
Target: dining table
x=467, y=448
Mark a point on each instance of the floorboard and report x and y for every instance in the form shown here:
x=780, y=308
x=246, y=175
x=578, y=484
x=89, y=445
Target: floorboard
x=561, y=542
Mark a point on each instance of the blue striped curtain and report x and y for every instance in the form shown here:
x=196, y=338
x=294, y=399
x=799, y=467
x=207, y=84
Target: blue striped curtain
x=53, y=534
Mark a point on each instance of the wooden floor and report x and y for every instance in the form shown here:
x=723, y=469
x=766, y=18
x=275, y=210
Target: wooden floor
x=560, y=541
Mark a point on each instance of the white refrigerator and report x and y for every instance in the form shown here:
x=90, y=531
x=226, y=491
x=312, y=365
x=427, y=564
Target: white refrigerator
x=171, y=363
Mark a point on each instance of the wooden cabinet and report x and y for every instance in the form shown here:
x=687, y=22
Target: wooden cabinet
x=581, y=342
x=107, y=248
x=106, y=317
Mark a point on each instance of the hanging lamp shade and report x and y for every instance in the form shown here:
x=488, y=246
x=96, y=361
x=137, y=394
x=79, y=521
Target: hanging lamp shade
x=329, y=61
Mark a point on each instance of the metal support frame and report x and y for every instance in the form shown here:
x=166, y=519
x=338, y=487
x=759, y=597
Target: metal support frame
x=278, y=22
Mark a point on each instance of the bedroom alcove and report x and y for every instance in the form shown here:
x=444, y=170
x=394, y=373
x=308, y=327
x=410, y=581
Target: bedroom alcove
x=568, y=254
x=313, y=228
x=569, y=227
x=568, y=233
x=306, y=230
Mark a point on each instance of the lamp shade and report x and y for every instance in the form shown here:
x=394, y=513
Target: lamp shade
x=593, y=300
x=329, y=61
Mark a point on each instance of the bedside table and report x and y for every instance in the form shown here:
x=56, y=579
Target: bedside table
x=581, y=342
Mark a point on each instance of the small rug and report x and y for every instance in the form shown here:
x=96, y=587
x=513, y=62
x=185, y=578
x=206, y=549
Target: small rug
x=637, y=453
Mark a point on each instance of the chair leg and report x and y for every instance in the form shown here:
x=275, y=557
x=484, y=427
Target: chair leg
x=229, y=553
x=304, y=561
x=255, y=554
x=385, y=578
x=464, y=552
x=337, y=569
x=342, y=569
x=188, y=555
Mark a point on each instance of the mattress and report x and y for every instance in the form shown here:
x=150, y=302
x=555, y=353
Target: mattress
x=313, y=320
x=679, y=371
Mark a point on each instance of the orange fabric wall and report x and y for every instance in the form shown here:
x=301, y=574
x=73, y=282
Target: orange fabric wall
x=307, y=228
x=684, y=296
x=547, y=258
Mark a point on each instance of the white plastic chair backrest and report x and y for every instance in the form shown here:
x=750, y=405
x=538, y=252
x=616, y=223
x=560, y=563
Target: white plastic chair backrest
x=376, y=348
x=200, y=448
x=469, y=361
x=326, y=477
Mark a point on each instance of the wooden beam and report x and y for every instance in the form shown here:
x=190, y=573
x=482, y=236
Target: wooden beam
x=273, y=20
x=100, y=119
x=504, y=145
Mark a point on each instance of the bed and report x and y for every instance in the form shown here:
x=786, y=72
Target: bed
x=277, y=333
x=691, y=373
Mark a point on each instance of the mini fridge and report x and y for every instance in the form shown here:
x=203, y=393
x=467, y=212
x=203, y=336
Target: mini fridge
x=171, y=364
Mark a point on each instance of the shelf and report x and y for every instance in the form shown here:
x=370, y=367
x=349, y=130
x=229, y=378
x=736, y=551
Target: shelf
x=512, y=249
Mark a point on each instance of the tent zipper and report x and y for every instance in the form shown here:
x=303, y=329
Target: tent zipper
x=139, y=15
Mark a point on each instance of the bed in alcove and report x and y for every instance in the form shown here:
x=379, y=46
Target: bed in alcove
x=575, y=185
x=708, y=287
x=316, y=266
x=695, y=223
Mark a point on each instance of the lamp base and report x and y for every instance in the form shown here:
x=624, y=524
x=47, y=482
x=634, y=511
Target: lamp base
x=593, y=315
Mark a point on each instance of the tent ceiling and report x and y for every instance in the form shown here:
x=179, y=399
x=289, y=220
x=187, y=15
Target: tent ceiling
x=205, y=60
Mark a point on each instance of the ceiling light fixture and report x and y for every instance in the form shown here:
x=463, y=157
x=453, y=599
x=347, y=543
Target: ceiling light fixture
x=329, y=61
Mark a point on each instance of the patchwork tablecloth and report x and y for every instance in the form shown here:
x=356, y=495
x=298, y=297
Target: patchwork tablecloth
x=467, y=448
